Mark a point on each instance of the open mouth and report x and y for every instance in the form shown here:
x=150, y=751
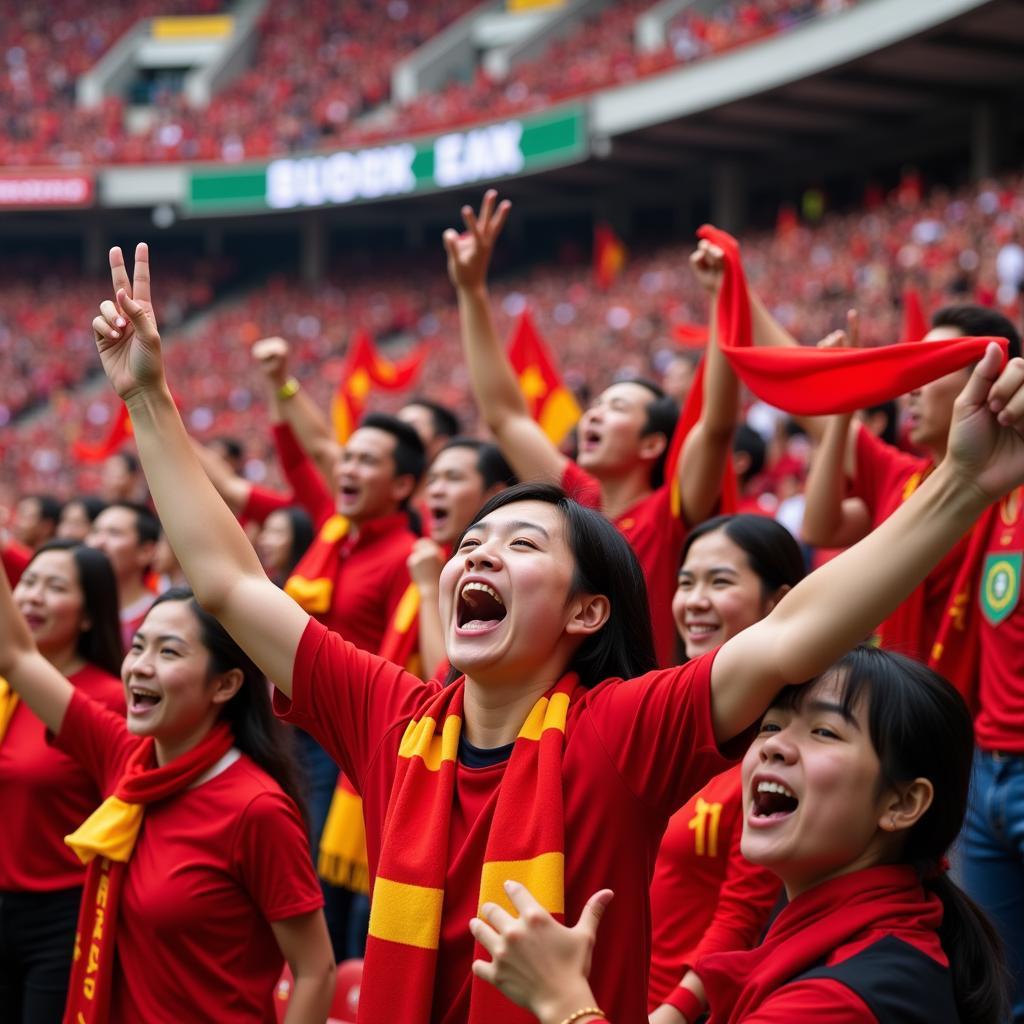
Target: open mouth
x=591, y=439
x=480, y=608
x=142, y=700
x=349, y=492
x=699, y=630
x=34, y=622
x=438, y=516
x=773, y=800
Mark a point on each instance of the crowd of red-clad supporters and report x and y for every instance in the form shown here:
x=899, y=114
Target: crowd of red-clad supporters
x=313, y=76
x=960, y=245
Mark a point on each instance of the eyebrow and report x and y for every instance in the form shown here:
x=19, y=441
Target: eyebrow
x=139, y=635
x=516, y=524
x=830, y=707
x=713, y=569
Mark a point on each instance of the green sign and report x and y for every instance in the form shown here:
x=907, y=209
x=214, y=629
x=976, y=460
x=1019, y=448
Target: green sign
x=1000, y=585
x=483, y=153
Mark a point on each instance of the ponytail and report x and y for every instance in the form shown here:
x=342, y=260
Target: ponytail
x=975, y=952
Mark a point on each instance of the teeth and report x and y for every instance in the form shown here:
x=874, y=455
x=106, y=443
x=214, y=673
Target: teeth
x=486, y=589
x=775, y=787
x=693, y=628
x=141, y=691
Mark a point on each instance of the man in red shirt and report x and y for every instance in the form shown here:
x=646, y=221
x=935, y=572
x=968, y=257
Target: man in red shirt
x=127, y=534
x=624, y=437
x=880, y=477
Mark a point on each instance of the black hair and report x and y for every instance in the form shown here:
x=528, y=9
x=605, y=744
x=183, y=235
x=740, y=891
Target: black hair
x=920, y=727
x=410, y=456
x=979, y=322
x=603, y=563
x=100, y=644
x=91, y=504
x=234, y=448
x=890, y=434
x=445, y=422
x=662, y=417
x=258, y=734
x=147, y=526
x=490, y=463
x=772, y=551
x=131, y=463
x=49, y=506
x=747, y=440
x=302, y=536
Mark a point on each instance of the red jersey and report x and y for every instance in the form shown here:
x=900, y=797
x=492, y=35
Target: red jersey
x=618, y=795
x=15, y=558
x=212, y=868
x=885, y=478
x=656, y=536
x=45, y=795
x=706, y=897
x=999, y=724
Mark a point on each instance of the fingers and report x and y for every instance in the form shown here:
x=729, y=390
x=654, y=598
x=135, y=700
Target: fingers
x=983, y=377
x=118, y=271
x=485, y=971
x=498, y=221
x=135, y=312
x=497, y=917
x=1006, y=397
x=451, y=242
x=836, y=339
x=853, y=327
x=471, y=222
x=590, y=916
x=487, y=208
x=488, y=938
x=522, y=899
x=140, y=278
x=113, y=317
x=102, y=329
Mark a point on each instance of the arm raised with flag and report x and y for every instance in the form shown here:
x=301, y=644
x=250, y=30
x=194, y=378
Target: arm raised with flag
x=495, y=386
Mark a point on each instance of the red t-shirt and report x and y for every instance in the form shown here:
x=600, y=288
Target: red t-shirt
x=15, y=558
x=634, y=751
x=212, y=867
x=262, y=502
x=45, y=795
x=656, y=536
x=999, y=724
x=885, y=478
x=706, y=897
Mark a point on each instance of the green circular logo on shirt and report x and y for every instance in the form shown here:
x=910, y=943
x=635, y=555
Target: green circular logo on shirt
x=1000, y=585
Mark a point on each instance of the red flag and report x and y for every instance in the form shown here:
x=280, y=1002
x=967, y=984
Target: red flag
x=364, y=369
x=915, y=323
x=690, y=335
x=609, y=256
x=826, y=381
x=120, y=431
x=551, y=403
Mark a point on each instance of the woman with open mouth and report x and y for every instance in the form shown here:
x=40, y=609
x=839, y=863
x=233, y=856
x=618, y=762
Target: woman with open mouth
x=558, y=757
x=68, y=598
x=198, y=880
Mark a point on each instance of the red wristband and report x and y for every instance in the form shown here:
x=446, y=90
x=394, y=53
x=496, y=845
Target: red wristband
x=686, y=1002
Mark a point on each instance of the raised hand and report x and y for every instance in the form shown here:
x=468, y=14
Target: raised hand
x=469, y=254
x=538, y=963
x=986, y=437
x=707, y=262
x=272, y=356
x=849, y=338
x=425, y=562
x=126, y=333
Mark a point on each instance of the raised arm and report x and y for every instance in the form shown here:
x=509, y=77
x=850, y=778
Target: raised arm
x=234, y=489
x=707, y=446
x=495, y=387
x=838, y=605
x=425, y=562
x=45, y=690
x=213, y=550
x=291, y=404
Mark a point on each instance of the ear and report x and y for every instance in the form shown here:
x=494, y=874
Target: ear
x=651, y=446
x=402, y=487
x=226, y=685
x=776, y=597
x=587, y=614
x=904, y=807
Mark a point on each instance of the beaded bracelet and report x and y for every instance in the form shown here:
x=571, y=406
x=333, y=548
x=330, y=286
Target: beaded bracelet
x=587, y=1011
x=288, y=388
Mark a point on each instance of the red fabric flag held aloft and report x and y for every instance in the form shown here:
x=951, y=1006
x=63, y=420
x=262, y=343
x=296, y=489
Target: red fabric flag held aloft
x=365, y=369
x=120, y=431
x=690, y=335
x=826, y=381
x=915, y=323
x=609, y=256
x=551, y=403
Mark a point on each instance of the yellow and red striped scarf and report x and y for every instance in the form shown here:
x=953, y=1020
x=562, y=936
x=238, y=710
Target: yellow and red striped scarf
x=313, y=589
x=526, y=843
x=8, y=704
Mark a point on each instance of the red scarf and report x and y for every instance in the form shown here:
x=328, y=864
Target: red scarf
x=313, y=589
x=823, y=382
x=526, y=843
x=115, y=824
x=888, y=900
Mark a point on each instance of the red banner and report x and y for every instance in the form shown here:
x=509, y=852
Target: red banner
x=50, y=189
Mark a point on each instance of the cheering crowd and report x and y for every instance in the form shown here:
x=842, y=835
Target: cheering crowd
x=567, y=729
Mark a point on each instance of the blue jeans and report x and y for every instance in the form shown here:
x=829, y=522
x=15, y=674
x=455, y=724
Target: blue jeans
x=992, y=855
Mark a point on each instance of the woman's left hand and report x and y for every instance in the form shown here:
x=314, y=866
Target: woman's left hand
x=538, y=963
